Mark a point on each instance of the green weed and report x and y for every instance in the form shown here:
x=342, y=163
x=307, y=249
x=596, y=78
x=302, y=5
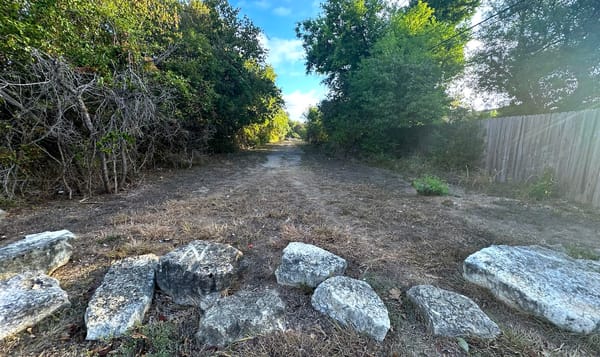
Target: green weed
x=430, y=186
x=153, y=340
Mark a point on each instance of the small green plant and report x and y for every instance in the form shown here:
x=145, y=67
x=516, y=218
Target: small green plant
x=578, y=252
x=430, y=186
x=543, y=188
x=155, y=340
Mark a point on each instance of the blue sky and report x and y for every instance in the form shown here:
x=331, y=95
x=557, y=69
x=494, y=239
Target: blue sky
x=277, y=19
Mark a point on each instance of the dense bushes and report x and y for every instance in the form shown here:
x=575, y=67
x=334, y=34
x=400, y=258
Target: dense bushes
x=91, y=93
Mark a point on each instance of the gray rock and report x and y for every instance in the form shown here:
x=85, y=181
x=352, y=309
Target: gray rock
x=307, y=265
x=540, y=281
x=353, y=303
x=190, y=272
x=2, y=214
x=449, y=314
x=123, y=298
x=42, y=252
x=26, y=299
x=243, y=315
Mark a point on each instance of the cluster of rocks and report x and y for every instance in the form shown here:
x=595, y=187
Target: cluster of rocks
x=27, y=293
x=352, y=302
x=549, y=284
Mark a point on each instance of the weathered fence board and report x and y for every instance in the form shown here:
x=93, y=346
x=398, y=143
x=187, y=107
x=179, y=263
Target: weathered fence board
x=519, y=149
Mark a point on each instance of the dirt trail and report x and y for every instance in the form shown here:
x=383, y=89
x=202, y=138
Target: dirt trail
x=259, y=201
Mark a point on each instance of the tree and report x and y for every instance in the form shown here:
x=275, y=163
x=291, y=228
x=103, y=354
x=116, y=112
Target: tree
x=451, y=11
x=400, y=84
x=90, y=92
x=315, y=133
x=100, y=36
x=544, y=56
x=220, y=56
x=340, y=38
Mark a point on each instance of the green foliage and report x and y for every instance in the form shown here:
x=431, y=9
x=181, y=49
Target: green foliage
x=315, y=132
x=341, y=37
x=152, y=340
x=430, y=186
x=451, y=11
x=577, y=252
x=155, y=78
x=455, y=146
x=297, y=130
x=542, y=56
x=94, y=35
x=273, y=130
x=385, y=73
x=542, y=188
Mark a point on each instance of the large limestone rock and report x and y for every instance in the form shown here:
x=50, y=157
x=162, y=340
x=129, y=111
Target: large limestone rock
x=243, y=315
x=353, y=303
x=191, y=272
x=307, y=265
x=122, y=299
x=42, y=252
x=449, y=314
x=540, y=281
x=26, y=299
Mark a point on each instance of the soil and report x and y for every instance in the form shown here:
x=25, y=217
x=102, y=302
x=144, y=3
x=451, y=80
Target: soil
x=260, y=200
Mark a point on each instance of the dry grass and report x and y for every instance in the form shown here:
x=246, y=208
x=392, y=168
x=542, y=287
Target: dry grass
x=371, y=217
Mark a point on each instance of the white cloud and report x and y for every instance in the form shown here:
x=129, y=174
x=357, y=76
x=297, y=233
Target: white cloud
x=282, y=11
x=297, y=103
x=263, y=4
x=282, y=50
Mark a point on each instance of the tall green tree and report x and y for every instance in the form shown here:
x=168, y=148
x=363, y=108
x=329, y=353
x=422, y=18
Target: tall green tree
x=402, y=84
x=544, y=55
x=222, y=60
x=341, y=37
x=387, y=72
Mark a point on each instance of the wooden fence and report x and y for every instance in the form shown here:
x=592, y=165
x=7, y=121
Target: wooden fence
x=519, y=149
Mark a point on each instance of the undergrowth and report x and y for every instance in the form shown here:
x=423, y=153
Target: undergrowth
x=152, y=340
x=430, y=186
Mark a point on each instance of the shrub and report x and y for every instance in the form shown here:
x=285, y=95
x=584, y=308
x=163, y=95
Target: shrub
x=430, y=186
x=455, y=146
x=543, y=188
x=153, y=340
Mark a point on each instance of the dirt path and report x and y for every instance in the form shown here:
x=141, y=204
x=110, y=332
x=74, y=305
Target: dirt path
x=259, y=201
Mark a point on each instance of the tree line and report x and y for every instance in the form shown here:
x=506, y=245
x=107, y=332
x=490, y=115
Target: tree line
x=92, y=92
x=389, y=68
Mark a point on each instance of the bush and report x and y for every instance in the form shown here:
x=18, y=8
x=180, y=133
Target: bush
x=543, y=188
x=455, y=146
x=430, y=186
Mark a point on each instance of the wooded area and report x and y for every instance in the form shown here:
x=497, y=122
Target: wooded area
x=520, y=149
x=91, y=93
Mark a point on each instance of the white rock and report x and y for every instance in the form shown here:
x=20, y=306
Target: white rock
x=548, y=284
x=123, y=298
x=450, y=314
x=243, y=315
x=191, y=272
x=353, y=303
x=307, y=265
x=26, y=299
x=42, y=252
x=2, y=214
